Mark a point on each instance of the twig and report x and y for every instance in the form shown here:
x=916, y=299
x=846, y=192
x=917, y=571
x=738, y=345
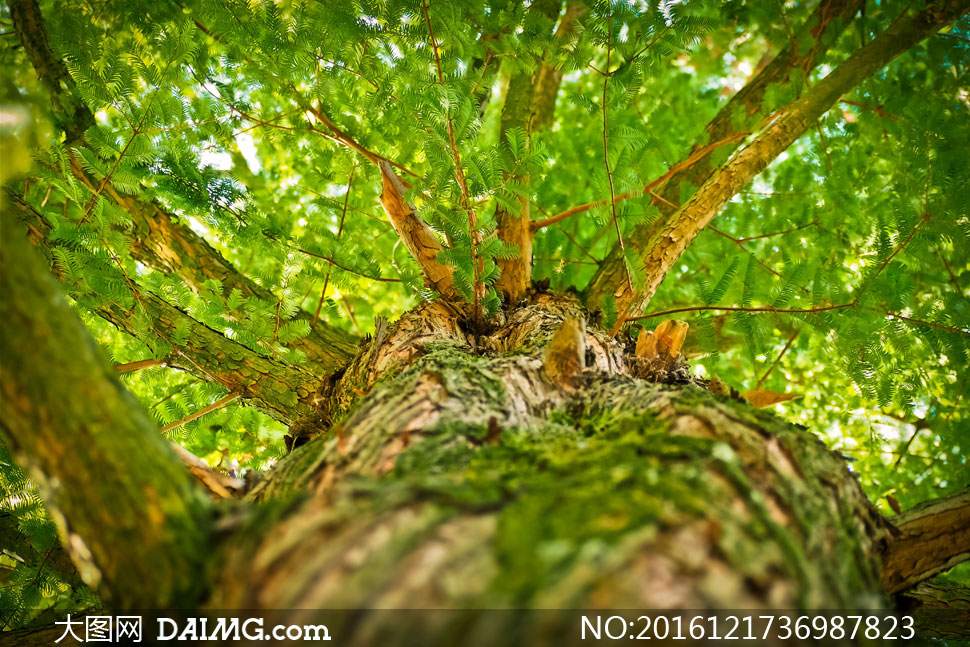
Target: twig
x=350, y=313
x=474, y=234
x=740, y=244
x=949, y=270
x=690, y=161
x=777, y=360
x=201, y=412
x=814, y=223
x=329, y=259
x=825, y=146
x=606, y=149
x=876, y=109
x=140, y=364
x=931, y=324
x=745, y=309
x=340, y=230
x=902, y=245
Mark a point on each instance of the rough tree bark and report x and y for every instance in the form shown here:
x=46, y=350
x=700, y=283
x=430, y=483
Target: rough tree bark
x=529, y=470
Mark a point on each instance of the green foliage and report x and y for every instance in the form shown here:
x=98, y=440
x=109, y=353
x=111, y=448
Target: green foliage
x=36, y=577
x=205, y=111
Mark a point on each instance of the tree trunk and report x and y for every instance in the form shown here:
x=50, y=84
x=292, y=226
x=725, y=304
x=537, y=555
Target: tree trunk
x=469, y=479
x=520, y=466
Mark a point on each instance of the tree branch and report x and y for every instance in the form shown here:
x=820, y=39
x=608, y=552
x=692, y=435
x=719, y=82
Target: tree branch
x=733, y=122
x=745, y=309
x=474, y=235
x=416, y=234
x=530, y=104
x=109, y=478
x=205, y=353
x=931, y=538
x=679, y=167
x=158, y=239
x=670, y=241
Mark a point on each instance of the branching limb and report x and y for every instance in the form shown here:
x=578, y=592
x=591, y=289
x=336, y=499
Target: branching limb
x=740, y=116
x=667, y=244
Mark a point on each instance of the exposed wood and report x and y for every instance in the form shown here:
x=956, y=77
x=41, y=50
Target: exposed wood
x=931, y=538
x=416, y=234
x=566, y=354
x=658, y=351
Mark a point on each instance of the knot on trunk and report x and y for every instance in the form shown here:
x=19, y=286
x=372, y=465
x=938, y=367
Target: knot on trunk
x=566, y=353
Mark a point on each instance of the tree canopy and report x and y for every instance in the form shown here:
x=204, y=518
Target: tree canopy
x=234, y=193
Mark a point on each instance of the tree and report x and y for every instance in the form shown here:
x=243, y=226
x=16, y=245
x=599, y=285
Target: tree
x=527, y=432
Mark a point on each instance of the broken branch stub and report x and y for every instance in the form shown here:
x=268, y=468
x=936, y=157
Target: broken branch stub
x=566, y=353
x=658, y=351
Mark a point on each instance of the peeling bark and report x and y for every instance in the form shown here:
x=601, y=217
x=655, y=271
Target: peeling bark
x=929, y=539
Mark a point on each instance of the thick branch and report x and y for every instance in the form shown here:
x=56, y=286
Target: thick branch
x=281, y=390
x=158, y=239
x=667, y=244
x=530, y=104
x=741, y=115
x=415, y=233
x=110, y=480
x=932, y=538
